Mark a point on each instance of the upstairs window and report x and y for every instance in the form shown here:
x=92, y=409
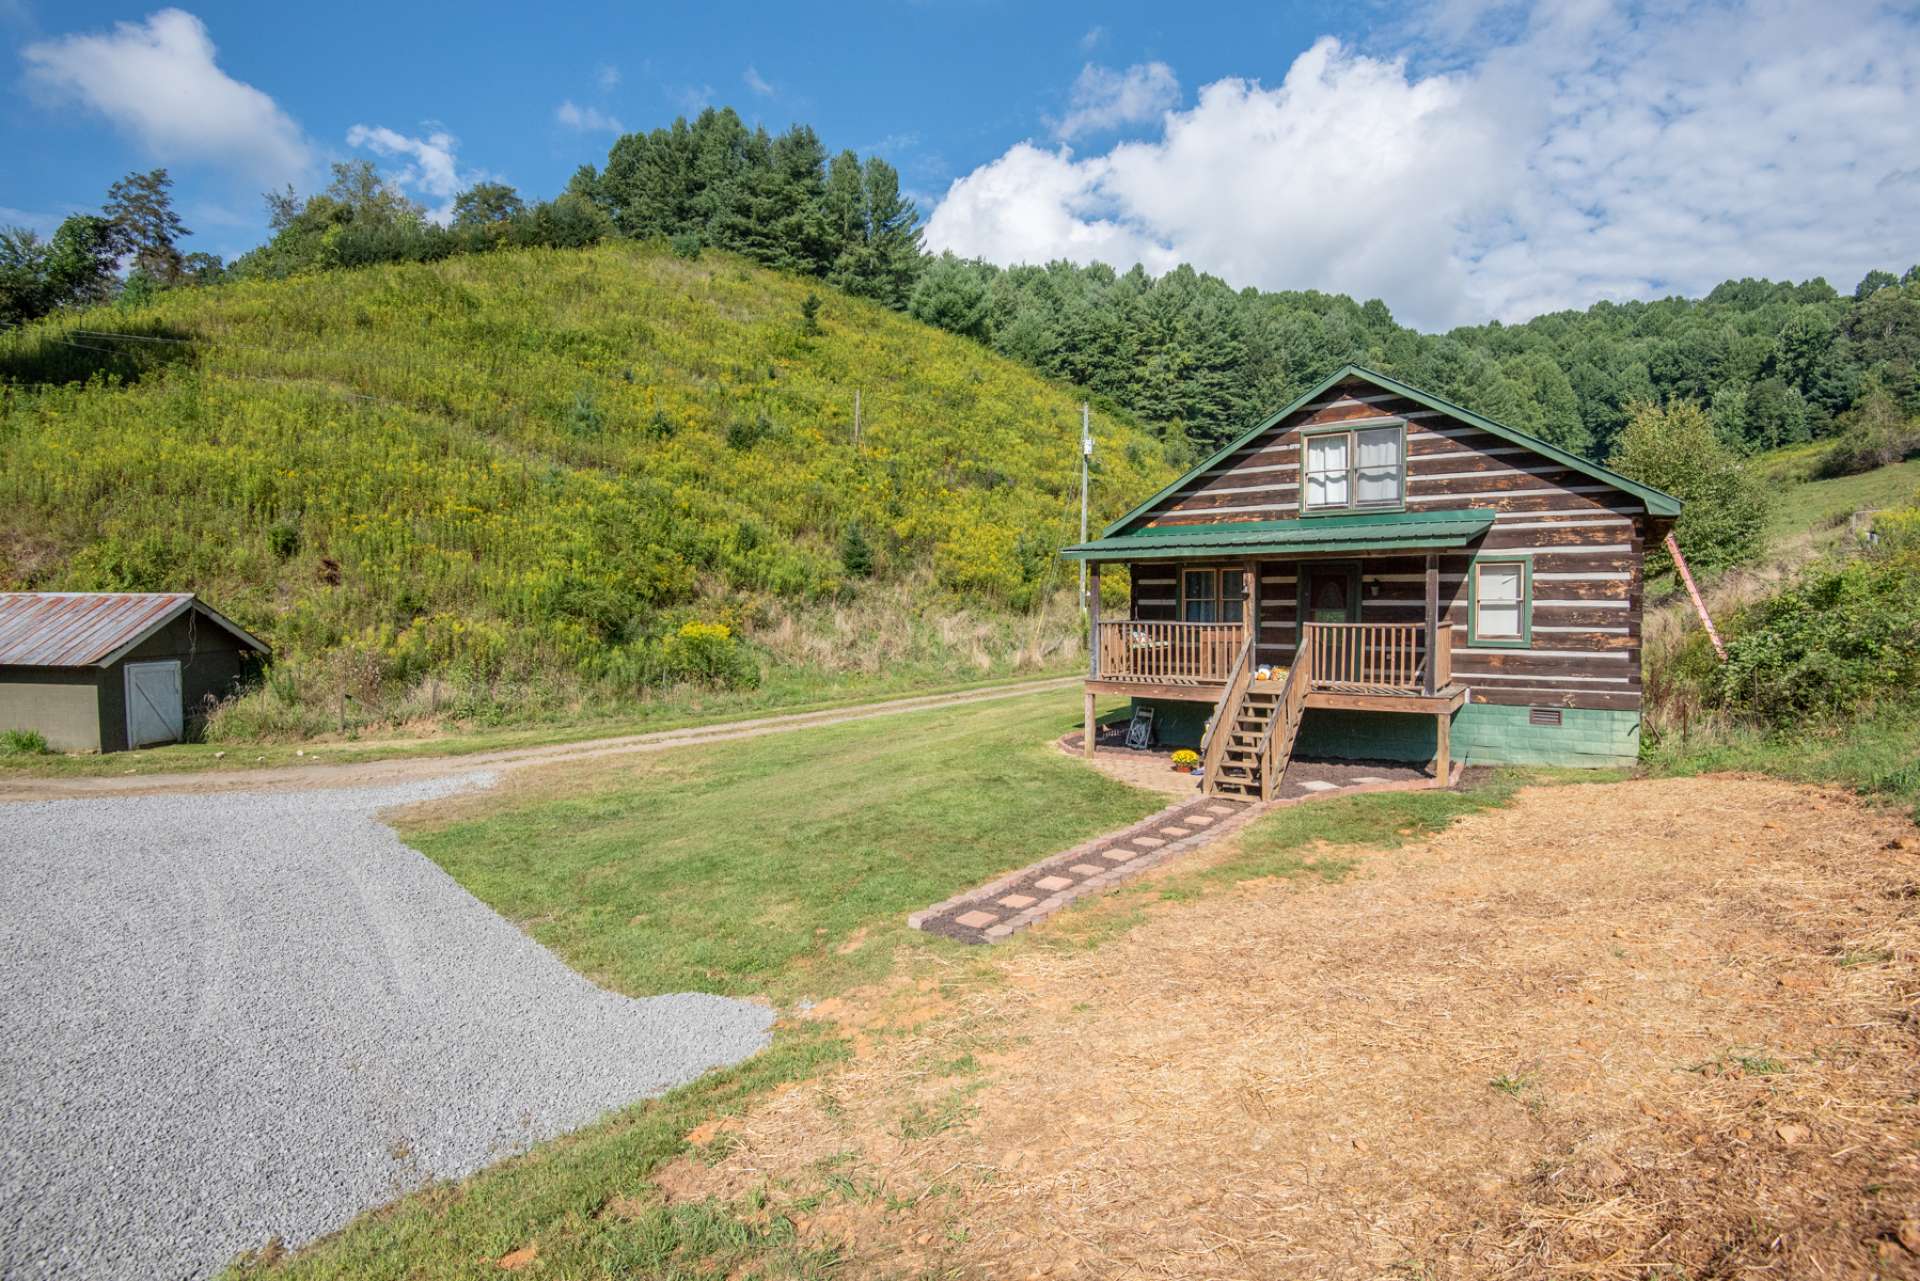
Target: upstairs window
x=1356, y=470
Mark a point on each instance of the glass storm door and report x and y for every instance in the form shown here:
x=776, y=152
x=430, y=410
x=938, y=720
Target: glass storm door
x=1332, y=595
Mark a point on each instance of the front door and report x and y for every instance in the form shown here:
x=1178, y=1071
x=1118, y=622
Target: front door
x=154, y=707
x=1331, y=593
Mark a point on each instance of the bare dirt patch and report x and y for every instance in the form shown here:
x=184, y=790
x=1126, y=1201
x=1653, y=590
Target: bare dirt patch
x=1606, y=1032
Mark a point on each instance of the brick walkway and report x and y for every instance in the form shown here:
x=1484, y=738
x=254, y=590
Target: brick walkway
x=998, y=909
x=993, y=911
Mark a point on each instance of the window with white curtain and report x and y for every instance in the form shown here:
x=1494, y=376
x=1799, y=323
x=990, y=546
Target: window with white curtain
x=1500, y=601
x=1355, y=469
x=1327, y=468
x=1378, y=472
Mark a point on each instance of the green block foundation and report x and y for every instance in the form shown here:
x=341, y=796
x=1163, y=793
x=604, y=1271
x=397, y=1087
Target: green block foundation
x=1483, y=734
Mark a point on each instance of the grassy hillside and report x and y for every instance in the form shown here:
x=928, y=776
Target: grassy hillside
x=1823, y=640
x=1805, y=501
x=512, y=482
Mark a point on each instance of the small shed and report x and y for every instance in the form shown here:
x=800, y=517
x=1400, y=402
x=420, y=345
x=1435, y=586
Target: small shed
x=102, y=671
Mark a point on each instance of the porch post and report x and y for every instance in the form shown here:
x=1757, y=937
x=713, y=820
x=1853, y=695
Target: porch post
x=1433, y=635
x=1092, y=604
x=1250, y=618
x=1443, y=757
x=1093, y=649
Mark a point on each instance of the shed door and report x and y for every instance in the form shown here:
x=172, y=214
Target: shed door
x=155, y=710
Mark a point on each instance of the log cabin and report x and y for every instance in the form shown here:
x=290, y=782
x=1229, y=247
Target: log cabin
x=1372, y=573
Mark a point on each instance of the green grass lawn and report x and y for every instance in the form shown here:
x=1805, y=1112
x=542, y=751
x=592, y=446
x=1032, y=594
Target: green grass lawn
x=685, y=711
x=743, y=867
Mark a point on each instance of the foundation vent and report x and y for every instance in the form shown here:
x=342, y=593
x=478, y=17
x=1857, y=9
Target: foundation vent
x=1543, y=716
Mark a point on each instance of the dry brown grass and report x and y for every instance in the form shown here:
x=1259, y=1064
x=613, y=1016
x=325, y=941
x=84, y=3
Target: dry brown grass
x=1660, y=1028
x=890, y=625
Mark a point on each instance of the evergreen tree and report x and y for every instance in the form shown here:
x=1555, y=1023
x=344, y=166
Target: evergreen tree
x=140, y=207
x=856, y=555
x=951, y=295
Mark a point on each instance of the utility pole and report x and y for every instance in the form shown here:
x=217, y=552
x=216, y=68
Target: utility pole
x=1086, y=455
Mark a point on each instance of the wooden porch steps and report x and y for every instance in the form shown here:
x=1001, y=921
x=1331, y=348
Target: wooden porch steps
x=1239, y=770
x=1251, y=737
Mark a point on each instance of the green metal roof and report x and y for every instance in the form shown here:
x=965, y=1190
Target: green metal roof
x=1658, y=503
x=1383, y=531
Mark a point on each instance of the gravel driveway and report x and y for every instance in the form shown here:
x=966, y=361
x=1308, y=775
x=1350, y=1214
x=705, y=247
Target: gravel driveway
x=227, y=1018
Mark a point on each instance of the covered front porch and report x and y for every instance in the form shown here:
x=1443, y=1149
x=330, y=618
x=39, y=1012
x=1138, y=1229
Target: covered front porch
x=1354, y=619
x=1347, y=665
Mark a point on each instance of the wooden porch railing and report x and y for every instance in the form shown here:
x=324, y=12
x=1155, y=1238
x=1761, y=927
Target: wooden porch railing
x=1169, y=653
x=1376, y=658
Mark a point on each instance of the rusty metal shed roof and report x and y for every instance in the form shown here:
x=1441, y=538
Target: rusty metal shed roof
x=94, y=629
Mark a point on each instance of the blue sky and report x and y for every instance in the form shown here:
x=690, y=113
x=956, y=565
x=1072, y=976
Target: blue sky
x=1461, y=158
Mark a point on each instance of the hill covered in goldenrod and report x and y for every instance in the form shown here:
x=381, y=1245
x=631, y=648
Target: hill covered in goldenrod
x=555, y=477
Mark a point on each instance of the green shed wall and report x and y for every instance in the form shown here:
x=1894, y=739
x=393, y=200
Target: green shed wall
x=62, y=703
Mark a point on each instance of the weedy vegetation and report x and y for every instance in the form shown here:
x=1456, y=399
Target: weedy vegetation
x=539, y=483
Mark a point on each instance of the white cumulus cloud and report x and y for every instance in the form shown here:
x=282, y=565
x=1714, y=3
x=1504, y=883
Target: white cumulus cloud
x=1104, y=99
x=586, y=119
x=160, y=82
x=1589, y=151
x=431, y=171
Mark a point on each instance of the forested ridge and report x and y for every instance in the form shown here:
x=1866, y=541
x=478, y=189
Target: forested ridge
x=1773, y=362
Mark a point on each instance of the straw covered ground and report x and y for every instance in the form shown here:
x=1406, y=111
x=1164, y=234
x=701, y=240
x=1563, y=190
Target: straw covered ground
x=1654, y=1028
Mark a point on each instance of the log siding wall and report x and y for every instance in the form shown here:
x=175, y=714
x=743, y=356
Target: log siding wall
x=1584, y=539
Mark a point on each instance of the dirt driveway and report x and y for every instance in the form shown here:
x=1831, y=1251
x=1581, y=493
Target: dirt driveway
x=410, y=769
x=1657, y=1028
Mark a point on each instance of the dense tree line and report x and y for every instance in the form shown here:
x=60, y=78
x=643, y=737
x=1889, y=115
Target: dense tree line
x=1771, y=363
x=360, y=219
